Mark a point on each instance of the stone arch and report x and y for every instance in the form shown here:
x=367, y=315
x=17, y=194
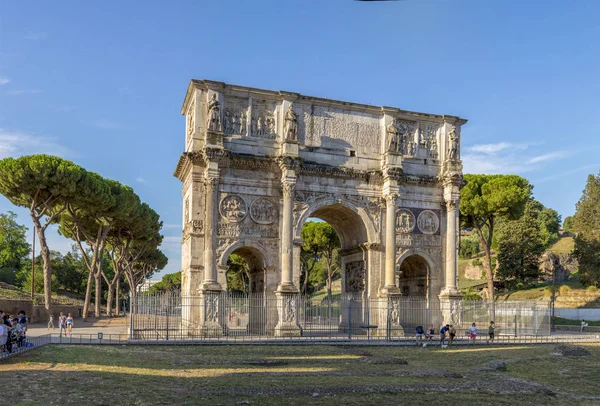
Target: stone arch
x=414, y=274
x=347, y=219
x=246, y=248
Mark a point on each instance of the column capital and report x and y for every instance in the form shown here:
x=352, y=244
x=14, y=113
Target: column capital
x=288, y=188
x=391, y=198
x=288, y=163
x=211, y=183
x=452, y=205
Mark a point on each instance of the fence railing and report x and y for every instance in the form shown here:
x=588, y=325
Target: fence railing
x=347, y=316
x=15, y=348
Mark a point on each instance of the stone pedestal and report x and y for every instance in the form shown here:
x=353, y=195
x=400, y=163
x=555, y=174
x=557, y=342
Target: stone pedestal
x=287, y=314
x=210, y=313
x=450, y=303
x=393, y=322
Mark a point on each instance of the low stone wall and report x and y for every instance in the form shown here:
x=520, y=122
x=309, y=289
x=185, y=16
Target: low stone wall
x=588, y=329
x=38, y=313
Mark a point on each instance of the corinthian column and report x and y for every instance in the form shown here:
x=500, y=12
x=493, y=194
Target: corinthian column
x=390, y=244
x=451, y=246
x=287, y=238
x=210, y=268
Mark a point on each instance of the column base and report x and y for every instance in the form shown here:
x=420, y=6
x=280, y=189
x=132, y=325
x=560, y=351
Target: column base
x=210, y=312
x=390, y=314
x=287, y=288
x=287, y=314
x=390, y=291
x=451, y=306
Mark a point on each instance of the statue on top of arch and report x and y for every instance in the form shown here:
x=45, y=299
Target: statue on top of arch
x=214, y=114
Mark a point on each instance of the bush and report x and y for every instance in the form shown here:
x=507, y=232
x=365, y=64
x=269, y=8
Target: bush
x=592, y=288
x=476, y=262
x=564, y=290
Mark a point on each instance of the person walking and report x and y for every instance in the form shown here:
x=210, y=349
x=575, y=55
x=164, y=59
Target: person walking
x=583, y=325
x=451, y=334
x=62, y=324
x=70, y=324
x=473, y=333
x=51, y=322
x=491, y=330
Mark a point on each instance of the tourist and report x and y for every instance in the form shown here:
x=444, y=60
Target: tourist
x=430, y=333
x=17, y=332
x=23, y=321
x=473, y=333
x=451, y=334
x=70, y=324
x=491, y=329
x=51, y=322
x=62, y=324
x=443, y=331
x=3, y=335
x=419, y=331
x=7, y=325
x=583, y=325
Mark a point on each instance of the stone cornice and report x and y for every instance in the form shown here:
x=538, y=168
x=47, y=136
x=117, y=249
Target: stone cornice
x=187, y=159
x=420, y=180
x=281, y=95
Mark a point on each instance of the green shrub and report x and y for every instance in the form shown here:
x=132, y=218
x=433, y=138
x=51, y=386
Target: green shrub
x=592, y=288
x=564, y=290
x=476, y=262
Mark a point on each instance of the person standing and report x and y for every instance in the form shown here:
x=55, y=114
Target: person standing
x=51, y=322
x=473, y=333
x=419, y=331
x=491, y=332
x=17, y=332
x=451, y=334
x=583, y=325
x=23, y=321
x=70, y=324
x=62, y=324
x=443, y=331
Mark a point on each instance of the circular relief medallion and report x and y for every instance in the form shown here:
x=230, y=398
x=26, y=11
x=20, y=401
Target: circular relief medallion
x=263, y=211
x=405, y=221
x=428, y=222
x=233, y=208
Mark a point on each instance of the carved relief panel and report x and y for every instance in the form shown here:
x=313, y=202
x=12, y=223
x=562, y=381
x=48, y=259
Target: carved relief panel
x=428, y=222
x=405, y=221
x=233, y=208
x=235, y=118
x=355, y=276
x=263, y=122
x=263, y=211
x=428, y=140
x=406, y=134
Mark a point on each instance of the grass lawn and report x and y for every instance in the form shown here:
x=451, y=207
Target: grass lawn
x=564, y=245
x=299, y=375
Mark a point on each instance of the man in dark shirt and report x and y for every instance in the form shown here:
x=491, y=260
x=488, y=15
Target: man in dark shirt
x=443, y=333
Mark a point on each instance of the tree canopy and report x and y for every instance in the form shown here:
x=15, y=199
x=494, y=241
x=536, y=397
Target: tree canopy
x=13, y=247
x=320, y=247
x=586, y=225
x=486, y=198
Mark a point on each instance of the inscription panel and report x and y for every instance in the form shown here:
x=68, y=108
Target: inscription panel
x=340, y=129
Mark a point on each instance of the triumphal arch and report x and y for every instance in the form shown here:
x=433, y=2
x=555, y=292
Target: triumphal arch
x=259, y=163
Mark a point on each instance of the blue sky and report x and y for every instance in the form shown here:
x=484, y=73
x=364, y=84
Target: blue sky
x=102, y=83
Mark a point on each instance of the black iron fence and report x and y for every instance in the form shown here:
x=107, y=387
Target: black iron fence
x=348, y=316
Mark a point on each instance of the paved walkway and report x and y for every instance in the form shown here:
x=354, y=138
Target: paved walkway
x=115, y=325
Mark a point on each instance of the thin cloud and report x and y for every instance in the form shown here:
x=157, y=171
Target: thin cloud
x=36, y=36
x=4, y=80
x=493, y=164
x=17, y=143
x=546, y=157
x=106, y=124
x=141, y=180
x=570, y=172
x=25, y=91
x=490, y=148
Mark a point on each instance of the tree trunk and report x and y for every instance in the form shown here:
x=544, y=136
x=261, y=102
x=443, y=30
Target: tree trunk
x=88, y=297
x=109, y=299
x=41, y=232
x=487, y=265
x=117, y=311
x=98, y=278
